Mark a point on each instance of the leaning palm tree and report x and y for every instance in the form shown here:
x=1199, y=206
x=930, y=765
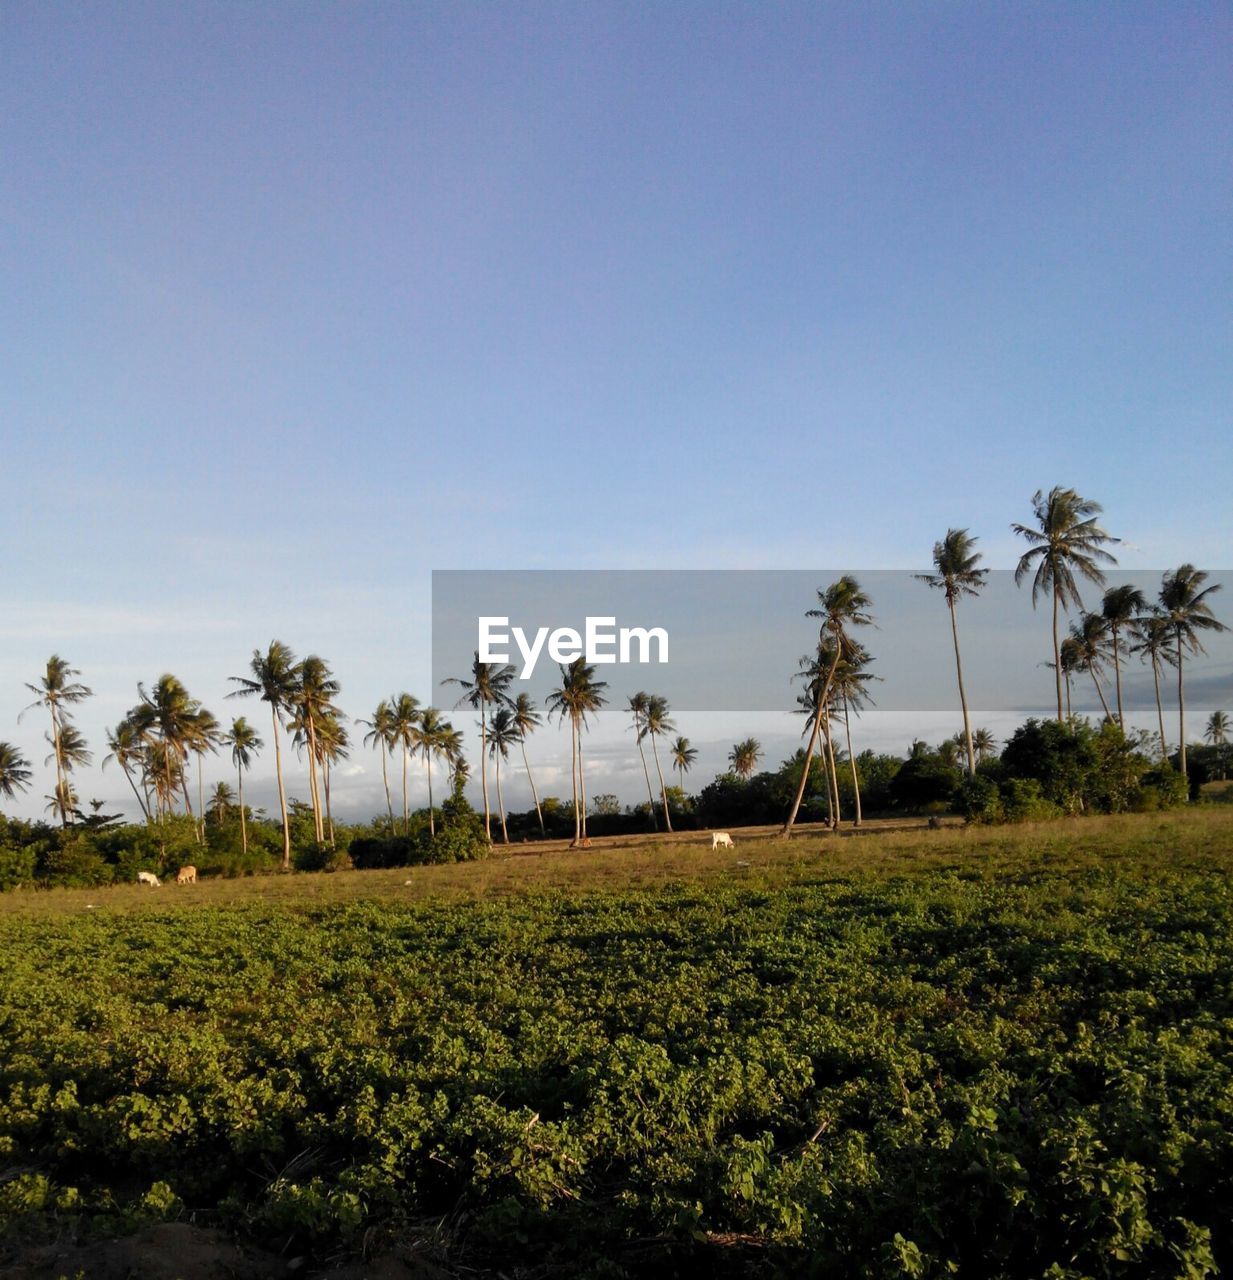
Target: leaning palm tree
x=1120, y=607
x=637, y=706
x=1150, y=642
x=850, y=686
x=405, y=715
x=433, y=737
x=1183, y=601
x=682, y=754
x=527, y=721
x=1217, y=733
x=655, y=722
x=1065, y=539
x=14, y=771
x=956, y=575
x=844, y=605
x=502, y=734
x=488, y=686
x=382, y=736
x=580, y=695
x=275, y=679
x=57, y=691
x=244, y=743
x=744, y=758
x=1090, y=638
x=814, y=671
x=124, y=747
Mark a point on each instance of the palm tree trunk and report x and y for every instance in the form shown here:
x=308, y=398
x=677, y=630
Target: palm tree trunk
x=1100, y=692
x=539, y=813
x=282, y=794
x=832, y=769
x=813, y=742
x=573, y=776
x=329, y=817
x=1069, y=713
x=484, y=771
x=1164, y=746
x=646, y=773
x=501, y=802
x=856, y=785
x=963, y=698
x=55, y=749
x=385, y=779
x=243, y=825
x=662, y=789
x=1181, y=708
x=145, y=812
x=432, y=821
x=1057, y=656
x=1117, y=677
x=830, y=798
x=582, y=789
x=406, y=812
x=313, y=789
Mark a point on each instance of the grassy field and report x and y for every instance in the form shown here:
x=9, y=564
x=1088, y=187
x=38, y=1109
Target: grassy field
x=990, y=1053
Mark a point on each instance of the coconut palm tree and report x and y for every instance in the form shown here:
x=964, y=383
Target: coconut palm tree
x=956, y=575
x=170, y=715
x=14, y=771
x=405, y=715
x=244, y=743
x=527, y=721
x=637, y=709
x=1090, y=638
x=69, y=751
x=381, y=735
x=655, y=721
x=433, y=736
x=1065, y=540
x=984, y=742
x=1150, y=642
x=844, y=605
x=488, y=686
x=502, y=734
x=580, y=695
x=850, y=687
x=124, y=744
x=204, y=737
x=1120, y=607
x=814, y=670
x=57, y=691
x=314, y=701
x=1217, y=733
x=1184, y=603
x=275, y=679
x=744, y=758
x=221, y=800
x=682, y=754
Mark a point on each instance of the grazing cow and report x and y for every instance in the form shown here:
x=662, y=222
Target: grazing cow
x=186, y=875
x=721, y=840
x=148, y=877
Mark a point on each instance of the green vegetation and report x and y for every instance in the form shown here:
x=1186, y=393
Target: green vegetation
x=1000, y=1053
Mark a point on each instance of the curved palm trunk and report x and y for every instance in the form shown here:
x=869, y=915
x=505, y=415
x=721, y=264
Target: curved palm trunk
x=406, y=812
x=1117, y=676
x=1057, y=657
x=856, y=784
x=243, y=824
x=385, y=780
x=1181, y=708
x=832, y=770
x=539, y=813
x=501, y=802
x=432, y=821
x=1100, y=692
x=484, y=770
x=313, y=789
x=1164, y=746
x=144, y=811
x=646, y=773
x=963, y=703
x=329, y=817
x=813, y=743
x=830, y=798
x=662, y=789
x=282, y=794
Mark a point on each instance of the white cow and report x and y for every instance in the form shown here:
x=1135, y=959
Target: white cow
x=186, y=875
x=148, y=877
x=721, y=840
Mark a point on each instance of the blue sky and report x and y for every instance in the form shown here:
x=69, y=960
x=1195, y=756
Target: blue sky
x=304, y=301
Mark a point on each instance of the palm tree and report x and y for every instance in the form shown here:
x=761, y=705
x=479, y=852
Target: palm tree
x=638, y=703
x=69, y=752
x=956, y=575
x=381, y=735
x=244, y=743
x=488, y=686
x=57, y=691
x=314, y=700
x=405, y=715
x=682, y=754
x=1120, y=607
x=433, y=736
x=275, y=679
x=814, y=670
x=124, y=743
x=984, y=742
x=1151, y=643
x=654, y=722
x=1217, y=733
x=1090, y=636
x=527, y=721
x=204, y=738
x=1183, y=601
x=14, y=771
x=221, y=800
x=1066, y=539
x=502, y=734
x=850, y=684
x=170, y=715
x=844, y=605
x=580, y=695
x=744, y=758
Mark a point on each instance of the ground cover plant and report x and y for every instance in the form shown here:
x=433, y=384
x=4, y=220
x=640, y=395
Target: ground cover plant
x=985, y=1053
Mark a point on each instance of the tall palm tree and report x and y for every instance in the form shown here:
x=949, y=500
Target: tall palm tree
x=405, y=715
x=850, y=686
x=984, y=742
x=382, y=736
x=69, y=751
x=1090, y=638
x=221, y=800
x=844, y=605
x=244, y=743
x=1217, y=733
x=580, y=695
x=332, y=746
x=14, y=771
x=637, y=705
x=1150, y=642
x=682, y=754
x=744, y=758
x=57, y=691
x=1183, y=601
x=275, y=679
x=170, y=715
x=488, y=686
x=1065, y=539
x=814, y=670
x=502, y=734
x=956, y=575
x=314, y=701
x=1120, y=607
x=204, y=737
x=433, y=736
x=527, y=721
x=124, y=747
x=655, y=721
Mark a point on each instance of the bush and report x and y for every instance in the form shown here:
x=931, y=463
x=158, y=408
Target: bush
x=16, y=866
x=321, y=857
x=76, y=862
x=979, y=800
x=1024, y=801
x=1163, y=788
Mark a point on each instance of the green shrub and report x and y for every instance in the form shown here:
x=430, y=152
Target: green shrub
x=321, y=857
x=75, y=861
x=1023, y=800
x=979, y=800
x=16, y=866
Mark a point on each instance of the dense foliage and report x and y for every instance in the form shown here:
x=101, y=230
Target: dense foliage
x=1016, y=1070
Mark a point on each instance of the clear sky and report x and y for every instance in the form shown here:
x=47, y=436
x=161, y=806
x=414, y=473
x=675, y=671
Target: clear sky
x=302, y=301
